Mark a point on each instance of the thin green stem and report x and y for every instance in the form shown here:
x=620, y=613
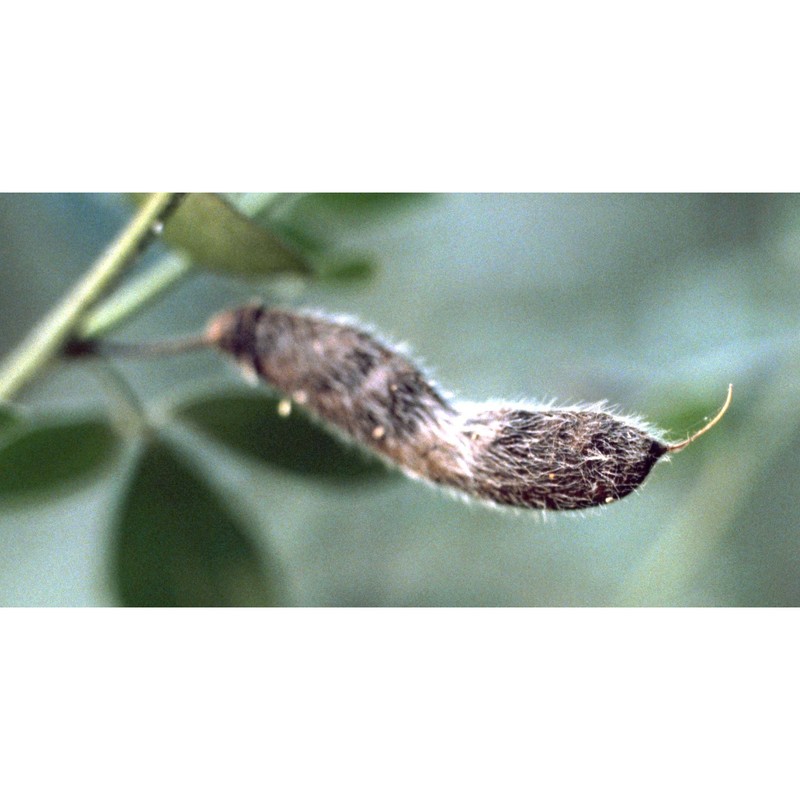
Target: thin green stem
x=46, y=340
x=134, y=296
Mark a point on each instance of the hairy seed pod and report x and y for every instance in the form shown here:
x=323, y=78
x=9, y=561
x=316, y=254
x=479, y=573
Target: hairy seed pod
x=527, y=457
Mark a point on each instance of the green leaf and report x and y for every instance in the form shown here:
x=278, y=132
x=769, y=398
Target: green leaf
x=354, y=209
x=8, y=418
x=221, y=239
x=346, y=270
x=317, y=224
x=47, y=456
x=177, y=542
x=249, y=423
x=312, y=245
x=328, y=265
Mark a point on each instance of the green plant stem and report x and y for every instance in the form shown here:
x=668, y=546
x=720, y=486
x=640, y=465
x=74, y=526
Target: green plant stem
x=46, y=340
x=134, y=296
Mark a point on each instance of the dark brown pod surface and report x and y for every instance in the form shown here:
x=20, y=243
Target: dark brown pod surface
x=366, y=389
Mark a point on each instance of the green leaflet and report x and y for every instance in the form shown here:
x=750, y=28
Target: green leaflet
x=177, y=542
x=248, y=422
x=221, y=239
x=8, y=419
x=48, y=456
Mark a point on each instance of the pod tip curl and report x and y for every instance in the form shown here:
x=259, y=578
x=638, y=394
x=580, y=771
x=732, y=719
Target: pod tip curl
x=678, y=446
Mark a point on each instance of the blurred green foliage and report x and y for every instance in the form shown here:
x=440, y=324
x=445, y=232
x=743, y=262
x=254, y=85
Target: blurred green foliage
x=47, y=456
x=220, y=238
x=8, y=418
x=249, y=423
x=176, y=542
x=653, y=302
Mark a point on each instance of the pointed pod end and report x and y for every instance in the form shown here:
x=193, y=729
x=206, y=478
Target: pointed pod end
x=678, y=446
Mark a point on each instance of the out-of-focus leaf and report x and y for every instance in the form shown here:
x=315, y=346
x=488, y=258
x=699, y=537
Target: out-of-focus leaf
x=310, y=244
x=177, y=543
x=47, y=456
x=221, y=239
x=8, y=418
x=346, y=270
x=354, y=208
x=328, y=265
x=249, y=423
x=316, y=224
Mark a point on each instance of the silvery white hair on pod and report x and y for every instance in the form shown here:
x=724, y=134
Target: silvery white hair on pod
x=539, y=457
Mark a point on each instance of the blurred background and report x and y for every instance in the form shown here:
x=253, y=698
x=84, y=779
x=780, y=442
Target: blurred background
x=651, y=302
